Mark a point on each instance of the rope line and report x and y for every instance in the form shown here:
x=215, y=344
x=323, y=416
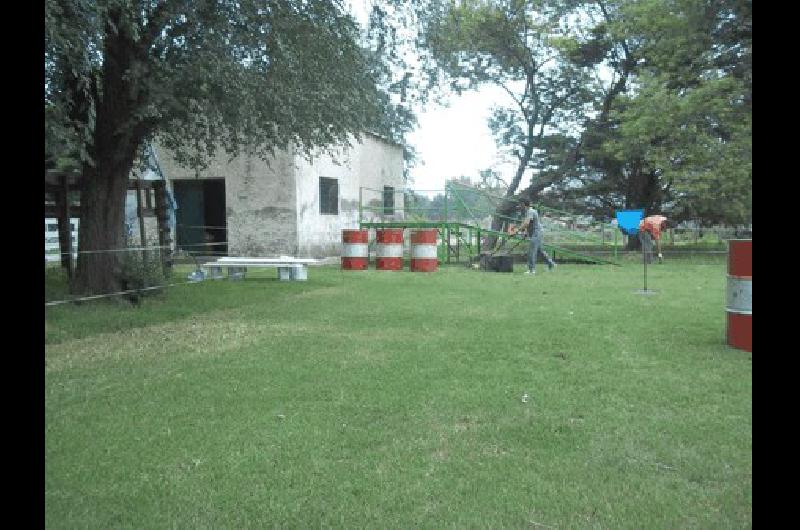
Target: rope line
x=118, y=293
x=134, y=249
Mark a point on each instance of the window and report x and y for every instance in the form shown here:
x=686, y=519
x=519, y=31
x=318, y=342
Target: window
x=388, y=200
x=328, y=196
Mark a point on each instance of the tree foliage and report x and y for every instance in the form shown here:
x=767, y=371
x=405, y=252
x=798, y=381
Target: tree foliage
x=677, y=138
x=204, y=74
x=406, y=73
x=200, y=75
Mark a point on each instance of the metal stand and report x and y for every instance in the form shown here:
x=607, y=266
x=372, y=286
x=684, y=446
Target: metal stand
x=644, y=261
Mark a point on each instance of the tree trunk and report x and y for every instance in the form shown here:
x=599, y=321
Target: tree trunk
x=102, y=228
x=508, y=206
x=116, y=140
x=643, y=191
x=505, y=209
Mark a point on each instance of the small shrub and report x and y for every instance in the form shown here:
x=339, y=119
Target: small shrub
x=138, y=273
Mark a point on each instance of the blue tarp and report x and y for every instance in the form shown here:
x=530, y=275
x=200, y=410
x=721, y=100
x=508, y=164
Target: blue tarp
x=628, y=221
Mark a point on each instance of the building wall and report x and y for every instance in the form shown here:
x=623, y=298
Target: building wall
x=372, y=163
x=380, y=164
x=260, y=200
x=274, y=208
x=320, y=234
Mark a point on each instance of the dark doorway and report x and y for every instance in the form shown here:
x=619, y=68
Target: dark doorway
x=200, y=217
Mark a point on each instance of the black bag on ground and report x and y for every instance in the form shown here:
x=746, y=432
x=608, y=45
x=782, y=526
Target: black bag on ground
x=497, y=263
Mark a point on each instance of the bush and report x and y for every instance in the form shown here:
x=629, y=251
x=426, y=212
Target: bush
x=138, y=273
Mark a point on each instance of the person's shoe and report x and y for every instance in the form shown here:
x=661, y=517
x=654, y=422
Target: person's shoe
x=530, y=272
x=552, y=266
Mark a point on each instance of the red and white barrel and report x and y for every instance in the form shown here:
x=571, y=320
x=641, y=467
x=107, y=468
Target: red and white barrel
x=355, y=250
x=739, y=304
x=423, y=250
x=389, y=249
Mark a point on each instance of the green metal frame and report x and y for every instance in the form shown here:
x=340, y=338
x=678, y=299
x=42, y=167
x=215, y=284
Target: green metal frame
x=468, y=234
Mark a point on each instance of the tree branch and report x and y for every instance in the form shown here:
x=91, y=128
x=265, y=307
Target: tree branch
x=161, y=15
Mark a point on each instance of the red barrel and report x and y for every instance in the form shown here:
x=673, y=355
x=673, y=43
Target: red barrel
x=423, y=250
x=355, y=251
x=389, y=249
x=739, y=304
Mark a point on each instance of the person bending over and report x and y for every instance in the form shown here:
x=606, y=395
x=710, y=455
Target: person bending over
x=650, y=229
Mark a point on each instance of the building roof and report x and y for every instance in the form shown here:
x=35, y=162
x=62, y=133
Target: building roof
x=385, y=139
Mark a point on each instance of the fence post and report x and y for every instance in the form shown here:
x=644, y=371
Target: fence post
x=142, y=234
x=64, y=228
x=162, y=218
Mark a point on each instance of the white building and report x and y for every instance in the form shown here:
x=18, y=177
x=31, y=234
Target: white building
x=288, y=205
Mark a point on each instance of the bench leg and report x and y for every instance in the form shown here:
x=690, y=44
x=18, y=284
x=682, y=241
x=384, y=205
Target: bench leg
x=299, y=273
x=284, y=274
x=236, y=273
x=215, y=273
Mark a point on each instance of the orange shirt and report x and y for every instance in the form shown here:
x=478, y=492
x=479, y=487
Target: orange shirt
x=653, y=224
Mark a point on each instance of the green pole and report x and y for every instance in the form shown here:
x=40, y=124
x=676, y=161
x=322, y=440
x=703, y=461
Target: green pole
x=644, y=260
x=446, y=238
x=445, y=204
x=445, y=230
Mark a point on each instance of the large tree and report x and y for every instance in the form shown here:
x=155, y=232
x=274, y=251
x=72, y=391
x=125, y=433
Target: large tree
x=525, y=48
x=664, y=122
x=201, y=75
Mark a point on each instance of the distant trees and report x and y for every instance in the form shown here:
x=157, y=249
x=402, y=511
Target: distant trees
x=614, y=103
x=679, y=138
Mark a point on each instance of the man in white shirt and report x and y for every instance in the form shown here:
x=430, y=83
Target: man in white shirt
x=531, y=221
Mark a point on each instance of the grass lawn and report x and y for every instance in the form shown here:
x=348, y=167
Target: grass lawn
x=394, y=400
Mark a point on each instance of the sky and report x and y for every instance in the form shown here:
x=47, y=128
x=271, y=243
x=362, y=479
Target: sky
x=451, y=141
x=455, y=141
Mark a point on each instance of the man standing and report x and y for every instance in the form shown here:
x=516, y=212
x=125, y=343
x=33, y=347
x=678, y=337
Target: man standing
x=650, y=228
x=531, y=221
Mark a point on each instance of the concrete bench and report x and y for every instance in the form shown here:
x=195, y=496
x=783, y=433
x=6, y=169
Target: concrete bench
x=288, y=268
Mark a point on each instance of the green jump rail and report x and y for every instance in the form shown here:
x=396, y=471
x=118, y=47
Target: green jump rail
x=442, y=226
x=455, y=206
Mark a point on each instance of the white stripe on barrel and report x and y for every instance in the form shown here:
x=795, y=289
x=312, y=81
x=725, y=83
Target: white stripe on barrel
x=740, y=296
x=423, y=251
x=385, y=250
x=355, y=250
